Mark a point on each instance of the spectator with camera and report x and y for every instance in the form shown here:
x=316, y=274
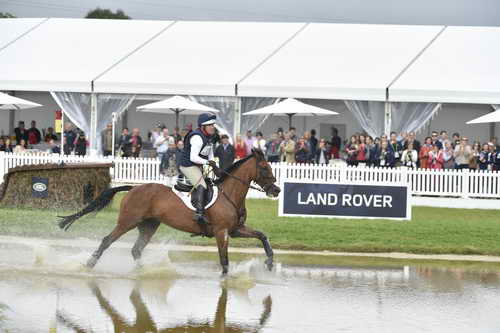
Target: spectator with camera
x=351, y=150
x=409, y=158
x=463, y=154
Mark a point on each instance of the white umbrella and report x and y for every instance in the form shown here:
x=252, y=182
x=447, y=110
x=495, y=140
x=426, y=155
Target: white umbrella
x=290, y=107
x=492, y=117
x=8, y=102
x=176, y=104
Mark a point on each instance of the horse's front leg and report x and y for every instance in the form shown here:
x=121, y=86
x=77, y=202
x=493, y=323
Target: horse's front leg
x=246, y=232
x=222, y=237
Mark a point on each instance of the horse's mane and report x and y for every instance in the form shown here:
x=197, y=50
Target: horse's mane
x=232, y=168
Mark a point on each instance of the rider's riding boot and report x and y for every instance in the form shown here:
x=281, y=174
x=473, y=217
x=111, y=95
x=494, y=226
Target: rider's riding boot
x=199, y=216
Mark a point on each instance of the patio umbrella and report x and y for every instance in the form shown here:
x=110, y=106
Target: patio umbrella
x=291, y=107
x=8, y=102
x=492, y=117
x=176, y=104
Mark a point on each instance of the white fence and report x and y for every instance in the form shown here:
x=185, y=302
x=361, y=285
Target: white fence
x=444, y=183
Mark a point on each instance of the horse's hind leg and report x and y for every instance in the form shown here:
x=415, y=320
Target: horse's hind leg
x=246, y=232
x=117, y=232
x=222, y=243
x=147, y=229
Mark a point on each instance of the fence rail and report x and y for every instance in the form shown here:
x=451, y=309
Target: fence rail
x=447, y=183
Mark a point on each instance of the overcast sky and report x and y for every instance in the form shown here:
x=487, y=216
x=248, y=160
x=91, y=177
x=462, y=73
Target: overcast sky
x=442, y=12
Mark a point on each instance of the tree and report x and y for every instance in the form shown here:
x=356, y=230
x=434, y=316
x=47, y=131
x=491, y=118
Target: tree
x=6, y=15
x=99, y=13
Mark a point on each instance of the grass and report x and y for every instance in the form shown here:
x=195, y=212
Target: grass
x=431, y=231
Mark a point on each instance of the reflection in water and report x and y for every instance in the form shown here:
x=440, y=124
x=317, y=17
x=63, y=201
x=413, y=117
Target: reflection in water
x=145, y=323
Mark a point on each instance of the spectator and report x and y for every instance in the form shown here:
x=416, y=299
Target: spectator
x=240, y=148
x=424, y=153
x=435, y=140
x=21, y=132
x=386, y=157
x=288, y=149
x=8, y=146
x=396, y=147
x=412, y=139
x=496, y=159
x=34, y=136
x=443, y=137
x=476, y=150
x=20, y=147
x=335, y=143
x=362, y=152
x=124, y=144
x=273, y=150
x=409, y=158
x=302, y=151
x=2, y=144
x=293, y=135
x=107, y=140
x=136, y=142
x=155, y=133
x=374, y=148
x=50, y=135
x=307, y=141
x=455, y=139
x=463, y=154
x=322, y=155
x=448, y=158
x=225, y=152
x=351, y=150
x=483, y=158
x=313, y=144
x=70, y=136
x=281, y=135
x=161, y=145
x=249, y=141
x=81, y=145
x=436, y=158
x=171, y=159
x=260, y=142
x=177, y=135
x=53, y=147
x=491, y=156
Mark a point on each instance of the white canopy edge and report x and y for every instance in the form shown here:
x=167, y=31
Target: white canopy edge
x=493, y=117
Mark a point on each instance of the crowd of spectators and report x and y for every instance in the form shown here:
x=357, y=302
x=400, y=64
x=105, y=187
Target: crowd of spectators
x=438, y=151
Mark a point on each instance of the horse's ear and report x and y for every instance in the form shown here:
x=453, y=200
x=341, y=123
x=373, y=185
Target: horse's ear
x=258, y=153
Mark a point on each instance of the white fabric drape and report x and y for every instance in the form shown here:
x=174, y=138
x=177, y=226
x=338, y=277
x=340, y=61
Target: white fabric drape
x=252, y=123
x=411, y=117
x=76, y=106
x=107, y=104
x=369, y=114
x=226, y=106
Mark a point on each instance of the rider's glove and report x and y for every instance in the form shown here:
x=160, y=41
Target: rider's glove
x=215, y=168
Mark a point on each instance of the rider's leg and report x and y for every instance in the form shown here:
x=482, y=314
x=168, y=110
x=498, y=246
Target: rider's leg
x=195, y=176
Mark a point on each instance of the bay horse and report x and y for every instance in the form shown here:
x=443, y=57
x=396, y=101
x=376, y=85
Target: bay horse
x=146, y=206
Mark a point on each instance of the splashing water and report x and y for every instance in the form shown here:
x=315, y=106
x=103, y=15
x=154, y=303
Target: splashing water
x=156, y=265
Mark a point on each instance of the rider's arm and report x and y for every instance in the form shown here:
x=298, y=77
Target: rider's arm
x=196, y=144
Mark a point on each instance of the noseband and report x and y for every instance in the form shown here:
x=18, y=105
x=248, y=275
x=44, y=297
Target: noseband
x=263, y=189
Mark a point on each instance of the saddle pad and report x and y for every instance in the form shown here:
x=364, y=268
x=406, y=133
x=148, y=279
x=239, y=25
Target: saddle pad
x=186, y=198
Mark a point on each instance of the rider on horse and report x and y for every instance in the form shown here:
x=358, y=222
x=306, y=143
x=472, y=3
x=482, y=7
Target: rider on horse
x=198, y=151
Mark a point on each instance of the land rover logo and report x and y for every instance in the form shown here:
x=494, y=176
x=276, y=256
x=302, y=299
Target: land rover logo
x=39, y=187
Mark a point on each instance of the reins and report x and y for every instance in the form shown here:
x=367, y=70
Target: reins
x=243, y=181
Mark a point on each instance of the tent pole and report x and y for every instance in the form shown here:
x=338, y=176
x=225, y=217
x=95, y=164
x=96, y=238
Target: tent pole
x=177, y=117
x=237, y=119
x=387, y=118
x=289, y=120
x=62, y=133
x=93, y=124
x=113, y=123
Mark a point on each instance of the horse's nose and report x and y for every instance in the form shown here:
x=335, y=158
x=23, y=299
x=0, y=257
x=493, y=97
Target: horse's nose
x=276, y=190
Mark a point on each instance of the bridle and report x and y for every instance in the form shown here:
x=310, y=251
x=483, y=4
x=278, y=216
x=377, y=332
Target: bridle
x=261, y=188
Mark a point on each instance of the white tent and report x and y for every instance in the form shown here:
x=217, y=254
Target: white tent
x=460, y=66
x=8, y=102
x=177, y=105
x=291, y=107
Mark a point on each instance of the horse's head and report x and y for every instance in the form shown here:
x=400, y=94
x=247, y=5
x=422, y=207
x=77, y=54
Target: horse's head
x=264, y=174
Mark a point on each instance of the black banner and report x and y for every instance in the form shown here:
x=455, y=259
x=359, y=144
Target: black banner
x=347, y=200
x=39, y=187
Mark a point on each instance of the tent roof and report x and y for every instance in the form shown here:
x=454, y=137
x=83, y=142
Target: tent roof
x=339, y=61
x=67, y=54
x=15, y=28
x=315, y=60
x=199, y=58
x=460, y=66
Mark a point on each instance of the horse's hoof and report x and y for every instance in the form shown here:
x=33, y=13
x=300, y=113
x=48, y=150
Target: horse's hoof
x=92, y=261
x=224, y=271
x=269, y=264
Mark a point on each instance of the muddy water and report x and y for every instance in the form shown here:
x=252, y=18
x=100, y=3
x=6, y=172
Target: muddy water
x=46, y=289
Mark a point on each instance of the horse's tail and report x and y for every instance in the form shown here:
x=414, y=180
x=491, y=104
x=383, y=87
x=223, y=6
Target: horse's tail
x=96, y=205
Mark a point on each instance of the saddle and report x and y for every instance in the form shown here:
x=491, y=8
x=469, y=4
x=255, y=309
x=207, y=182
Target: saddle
x=183, y=190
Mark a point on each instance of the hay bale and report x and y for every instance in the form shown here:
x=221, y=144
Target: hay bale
x=69, y=186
